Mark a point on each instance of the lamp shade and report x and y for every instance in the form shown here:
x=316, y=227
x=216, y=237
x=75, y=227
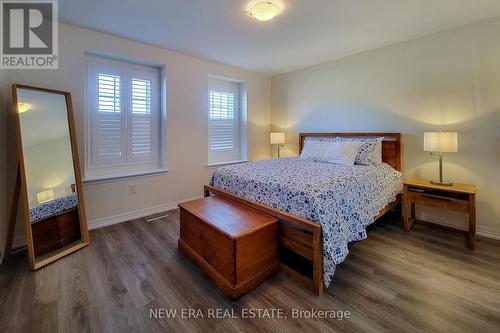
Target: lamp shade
x=441, y=142
x=45, y=196
x=277, y=138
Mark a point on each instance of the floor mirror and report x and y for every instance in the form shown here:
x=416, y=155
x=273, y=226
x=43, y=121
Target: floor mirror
x=50, y=187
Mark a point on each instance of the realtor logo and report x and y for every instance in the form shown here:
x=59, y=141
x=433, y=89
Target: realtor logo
x=29, y=34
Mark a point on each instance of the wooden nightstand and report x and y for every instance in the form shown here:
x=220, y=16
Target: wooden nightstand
x=458, y=197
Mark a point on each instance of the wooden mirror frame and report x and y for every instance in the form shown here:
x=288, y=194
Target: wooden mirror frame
x=84, y=241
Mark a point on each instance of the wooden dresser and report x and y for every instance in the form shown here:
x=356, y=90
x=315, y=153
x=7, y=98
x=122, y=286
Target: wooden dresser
x=236, y=246
x=56, y=231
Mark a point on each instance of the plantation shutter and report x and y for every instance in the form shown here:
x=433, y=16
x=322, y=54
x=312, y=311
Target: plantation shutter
x=223, y=122
x=107, y=131
x=142, y=124
x=124, y=118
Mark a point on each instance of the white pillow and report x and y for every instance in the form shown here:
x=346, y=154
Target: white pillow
x=370, y=152
x=331, y=152
x=312, y=150
x=340, y=152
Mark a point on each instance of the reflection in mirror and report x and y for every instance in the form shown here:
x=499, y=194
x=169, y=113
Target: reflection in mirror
x=50, y=183
x=48, y=161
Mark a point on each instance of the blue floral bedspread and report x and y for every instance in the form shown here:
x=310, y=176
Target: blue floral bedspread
x=53, y=207
x=342, y=199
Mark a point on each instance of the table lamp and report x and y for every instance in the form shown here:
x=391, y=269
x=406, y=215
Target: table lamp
x=278, y=138
x=438, y=143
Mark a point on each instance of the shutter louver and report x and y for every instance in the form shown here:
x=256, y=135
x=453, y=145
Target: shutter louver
x=109, y=93
x=222, y=121
x=109, y=138
x=141, y=136
x=108, y=123
x=142, y=130
x=141, y=96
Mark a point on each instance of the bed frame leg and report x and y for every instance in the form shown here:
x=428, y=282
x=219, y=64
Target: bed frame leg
x=317, y=263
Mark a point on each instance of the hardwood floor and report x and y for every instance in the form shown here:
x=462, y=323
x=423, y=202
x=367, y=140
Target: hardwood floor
x=425, y=280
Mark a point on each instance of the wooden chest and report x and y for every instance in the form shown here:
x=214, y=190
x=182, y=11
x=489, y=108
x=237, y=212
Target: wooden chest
x=236, y=246
x=56, y=231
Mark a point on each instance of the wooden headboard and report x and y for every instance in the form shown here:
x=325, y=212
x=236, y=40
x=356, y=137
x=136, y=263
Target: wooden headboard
x=391, y=145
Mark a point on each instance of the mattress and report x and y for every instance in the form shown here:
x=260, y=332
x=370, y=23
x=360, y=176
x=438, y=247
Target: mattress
x=47, y=209
x=343, y=199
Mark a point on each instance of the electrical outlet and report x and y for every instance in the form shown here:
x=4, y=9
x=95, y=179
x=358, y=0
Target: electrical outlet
x=133, y=189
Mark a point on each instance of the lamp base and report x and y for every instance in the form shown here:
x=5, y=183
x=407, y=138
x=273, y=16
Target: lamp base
x=441, y=183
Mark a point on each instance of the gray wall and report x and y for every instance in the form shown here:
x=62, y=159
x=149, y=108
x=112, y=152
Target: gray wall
x=449, y=81
x=187, y=123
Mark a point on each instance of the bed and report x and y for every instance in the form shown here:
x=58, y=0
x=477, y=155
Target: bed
x=321, y=206
x=53, y=207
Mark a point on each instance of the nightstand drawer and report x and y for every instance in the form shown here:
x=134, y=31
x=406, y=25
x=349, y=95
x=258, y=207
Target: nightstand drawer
x=439, y=201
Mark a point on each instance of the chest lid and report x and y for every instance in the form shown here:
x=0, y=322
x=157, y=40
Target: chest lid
x=231, y=218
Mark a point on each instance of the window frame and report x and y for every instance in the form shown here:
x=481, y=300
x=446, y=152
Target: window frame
x=226, y=85
x=128, y=165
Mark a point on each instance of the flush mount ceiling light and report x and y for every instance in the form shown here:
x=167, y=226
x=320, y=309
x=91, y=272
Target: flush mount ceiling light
x=264, y=10
x=23, y=107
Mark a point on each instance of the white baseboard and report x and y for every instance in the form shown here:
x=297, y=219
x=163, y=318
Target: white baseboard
x=480, y=231
x=137, y=214
x=20, y=240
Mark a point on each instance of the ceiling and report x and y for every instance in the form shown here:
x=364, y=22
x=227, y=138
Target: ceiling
x=46, y=120
x=307, y=32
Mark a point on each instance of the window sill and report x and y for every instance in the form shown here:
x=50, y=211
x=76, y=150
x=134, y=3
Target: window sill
x=226, y=163
x=109, y=178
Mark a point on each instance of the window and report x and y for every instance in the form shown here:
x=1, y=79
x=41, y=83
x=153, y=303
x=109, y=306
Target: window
x=123, y=113
x=226, y=122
